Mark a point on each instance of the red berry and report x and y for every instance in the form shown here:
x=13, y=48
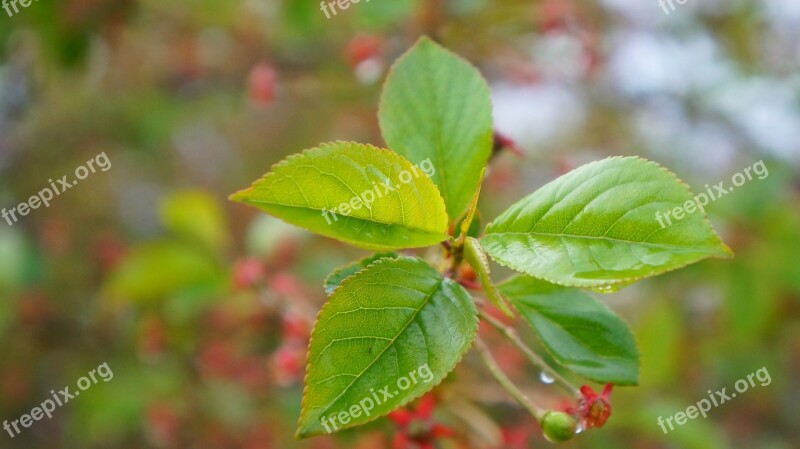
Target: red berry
x=263, y=81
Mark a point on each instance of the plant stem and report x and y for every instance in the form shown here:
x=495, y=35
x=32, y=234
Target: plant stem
x=506, y=383
x=532, y=357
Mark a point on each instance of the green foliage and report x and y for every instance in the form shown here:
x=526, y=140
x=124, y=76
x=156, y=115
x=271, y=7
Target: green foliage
x=335, y=278
x=354, y=193
x=196, y=94
x=195, y=216
x=475, y=256
x=580, y=332
x=436, y=105
x=596, y=227
x=388, y=315
x=420, y=319
x=660, y=341
x=12, y=259
x=158, y=269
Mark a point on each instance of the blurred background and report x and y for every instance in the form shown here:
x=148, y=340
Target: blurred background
x=202, y=308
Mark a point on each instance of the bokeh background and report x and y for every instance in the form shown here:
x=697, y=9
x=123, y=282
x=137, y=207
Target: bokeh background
x=202, y=308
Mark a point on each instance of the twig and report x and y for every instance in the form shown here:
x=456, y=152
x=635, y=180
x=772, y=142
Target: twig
x=506, y=383
x=532, y=357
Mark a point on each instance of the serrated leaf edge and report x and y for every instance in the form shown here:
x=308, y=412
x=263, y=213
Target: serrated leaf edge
x=552, y=354
x=627, y=280
x=472, y=336
x=238, y=196
x=484, y=85
x=359, y=261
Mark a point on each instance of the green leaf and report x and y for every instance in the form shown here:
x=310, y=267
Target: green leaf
x=335, y=279
x=597, y=227
x=196, y=215
x=359, y=194
x=396, y=317
x=155, y=270
x=436, y=106
x=475, y=256
x=13, y=257
x=580, y=332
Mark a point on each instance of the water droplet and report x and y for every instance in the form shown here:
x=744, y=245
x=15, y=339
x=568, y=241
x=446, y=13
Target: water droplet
x=578, y=429
x=546, y=378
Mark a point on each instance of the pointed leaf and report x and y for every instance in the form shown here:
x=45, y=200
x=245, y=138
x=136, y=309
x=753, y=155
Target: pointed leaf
x=580, y=332
x=155, y=270
x=436, y=105
x=359, y=194
x=396, y=317
x=597, y=227
x=196, y=215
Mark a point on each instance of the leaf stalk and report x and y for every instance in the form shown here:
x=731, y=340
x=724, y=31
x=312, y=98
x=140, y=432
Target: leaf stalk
x=532, y=357
x=506, y=383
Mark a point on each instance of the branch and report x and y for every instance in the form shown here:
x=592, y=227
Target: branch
x=506, y=383
x=532, y=357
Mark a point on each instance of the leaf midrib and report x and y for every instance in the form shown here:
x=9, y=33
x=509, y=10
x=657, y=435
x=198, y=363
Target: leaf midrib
x=401, y=225
x=389, y=345
x=610, y=239
x=573, y=363
x=586, y=343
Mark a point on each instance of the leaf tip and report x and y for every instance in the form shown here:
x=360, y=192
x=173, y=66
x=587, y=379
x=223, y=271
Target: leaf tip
x=240, y=196
x=425, y=40
x=303, y=432
x=727, y=252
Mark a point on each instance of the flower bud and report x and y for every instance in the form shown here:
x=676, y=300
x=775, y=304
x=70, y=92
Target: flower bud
x=558, y=427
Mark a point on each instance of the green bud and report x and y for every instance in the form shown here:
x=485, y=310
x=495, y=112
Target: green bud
x=558, y=427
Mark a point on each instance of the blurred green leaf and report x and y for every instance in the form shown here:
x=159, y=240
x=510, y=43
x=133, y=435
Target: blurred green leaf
x=659, y=334
x=195, y=215
x=380, y=14
x=111, y=411
x=697, y=433
x=158, y=269
x=13, y=255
